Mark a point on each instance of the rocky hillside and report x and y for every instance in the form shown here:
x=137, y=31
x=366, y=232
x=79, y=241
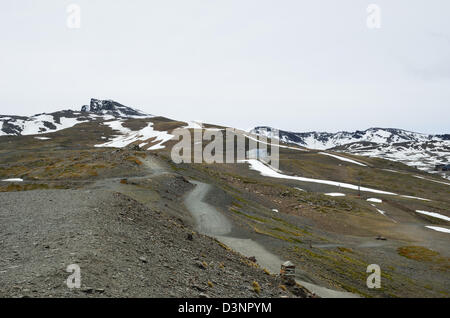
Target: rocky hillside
x=106, y=194
x=124, y=249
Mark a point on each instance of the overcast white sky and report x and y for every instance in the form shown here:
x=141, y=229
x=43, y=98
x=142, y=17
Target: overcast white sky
x=299, y=65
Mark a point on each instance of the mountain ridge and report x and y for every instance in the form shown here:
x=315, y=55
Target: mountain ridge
x=423, y=151
x=420, y=150
x=50, y=122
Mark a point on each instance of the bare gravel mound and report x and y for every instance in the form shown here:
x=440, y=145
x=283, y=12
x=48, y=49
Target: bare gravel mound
x=123, y=248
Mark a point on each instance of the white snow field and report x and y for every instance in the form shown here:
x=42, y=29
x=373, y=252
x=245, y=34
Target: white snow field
x=375, y=200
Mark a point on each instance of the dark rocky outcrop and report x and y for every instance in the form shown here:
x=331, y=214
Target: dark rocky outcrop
x=111, y=107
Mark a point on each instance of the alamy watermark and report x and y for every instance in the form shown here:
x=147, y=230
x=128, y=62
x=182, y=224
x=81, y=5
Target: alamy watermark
x=373, y=20
x=225, y=146
x=374, y=279
x=73, y=20
x=74, y=279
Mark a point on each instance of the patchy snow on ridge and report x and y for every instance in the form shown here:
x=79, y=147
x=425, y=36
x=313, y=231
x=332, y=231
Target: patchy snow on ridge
x=325, y=140
x=422, y=151
x=98, y=110
x=37, y=124
x=127, y=136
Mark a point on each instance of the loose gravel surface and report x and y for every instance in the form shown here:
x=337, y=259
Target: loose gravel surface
x=123, y=248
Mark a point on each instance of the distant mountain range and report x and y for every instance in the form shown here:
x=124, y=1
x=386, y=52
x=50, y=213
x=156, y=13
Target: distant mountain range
x=423, y=151
x=45, y=123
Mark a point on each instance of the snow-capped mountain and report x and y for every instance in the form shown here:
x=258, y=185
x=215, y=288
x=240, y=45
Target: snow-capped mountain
x=423, y=151
x=45, y=123
x=325, y=140
x=38, y=124
x=415, y=149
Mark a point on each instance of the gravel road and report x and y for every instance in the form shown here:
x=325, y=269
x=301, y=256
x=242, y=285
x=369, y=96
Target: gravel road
x=210, y=221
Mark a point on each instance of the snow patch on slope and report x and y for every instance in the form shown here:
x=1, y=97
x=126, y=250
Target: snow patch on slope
x=127, y=136
x=434, y=214
x=335, y=194
x=193, y=125
x=438, y=228
x=267, y=171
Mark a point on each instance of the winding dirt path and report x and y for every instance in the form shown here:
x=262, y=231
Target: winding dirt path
x=209, y=221
x=213, y=223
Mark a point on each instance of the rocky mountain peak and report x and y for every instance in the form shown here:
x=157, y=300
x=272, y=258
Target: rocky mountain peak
x=110, y=107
